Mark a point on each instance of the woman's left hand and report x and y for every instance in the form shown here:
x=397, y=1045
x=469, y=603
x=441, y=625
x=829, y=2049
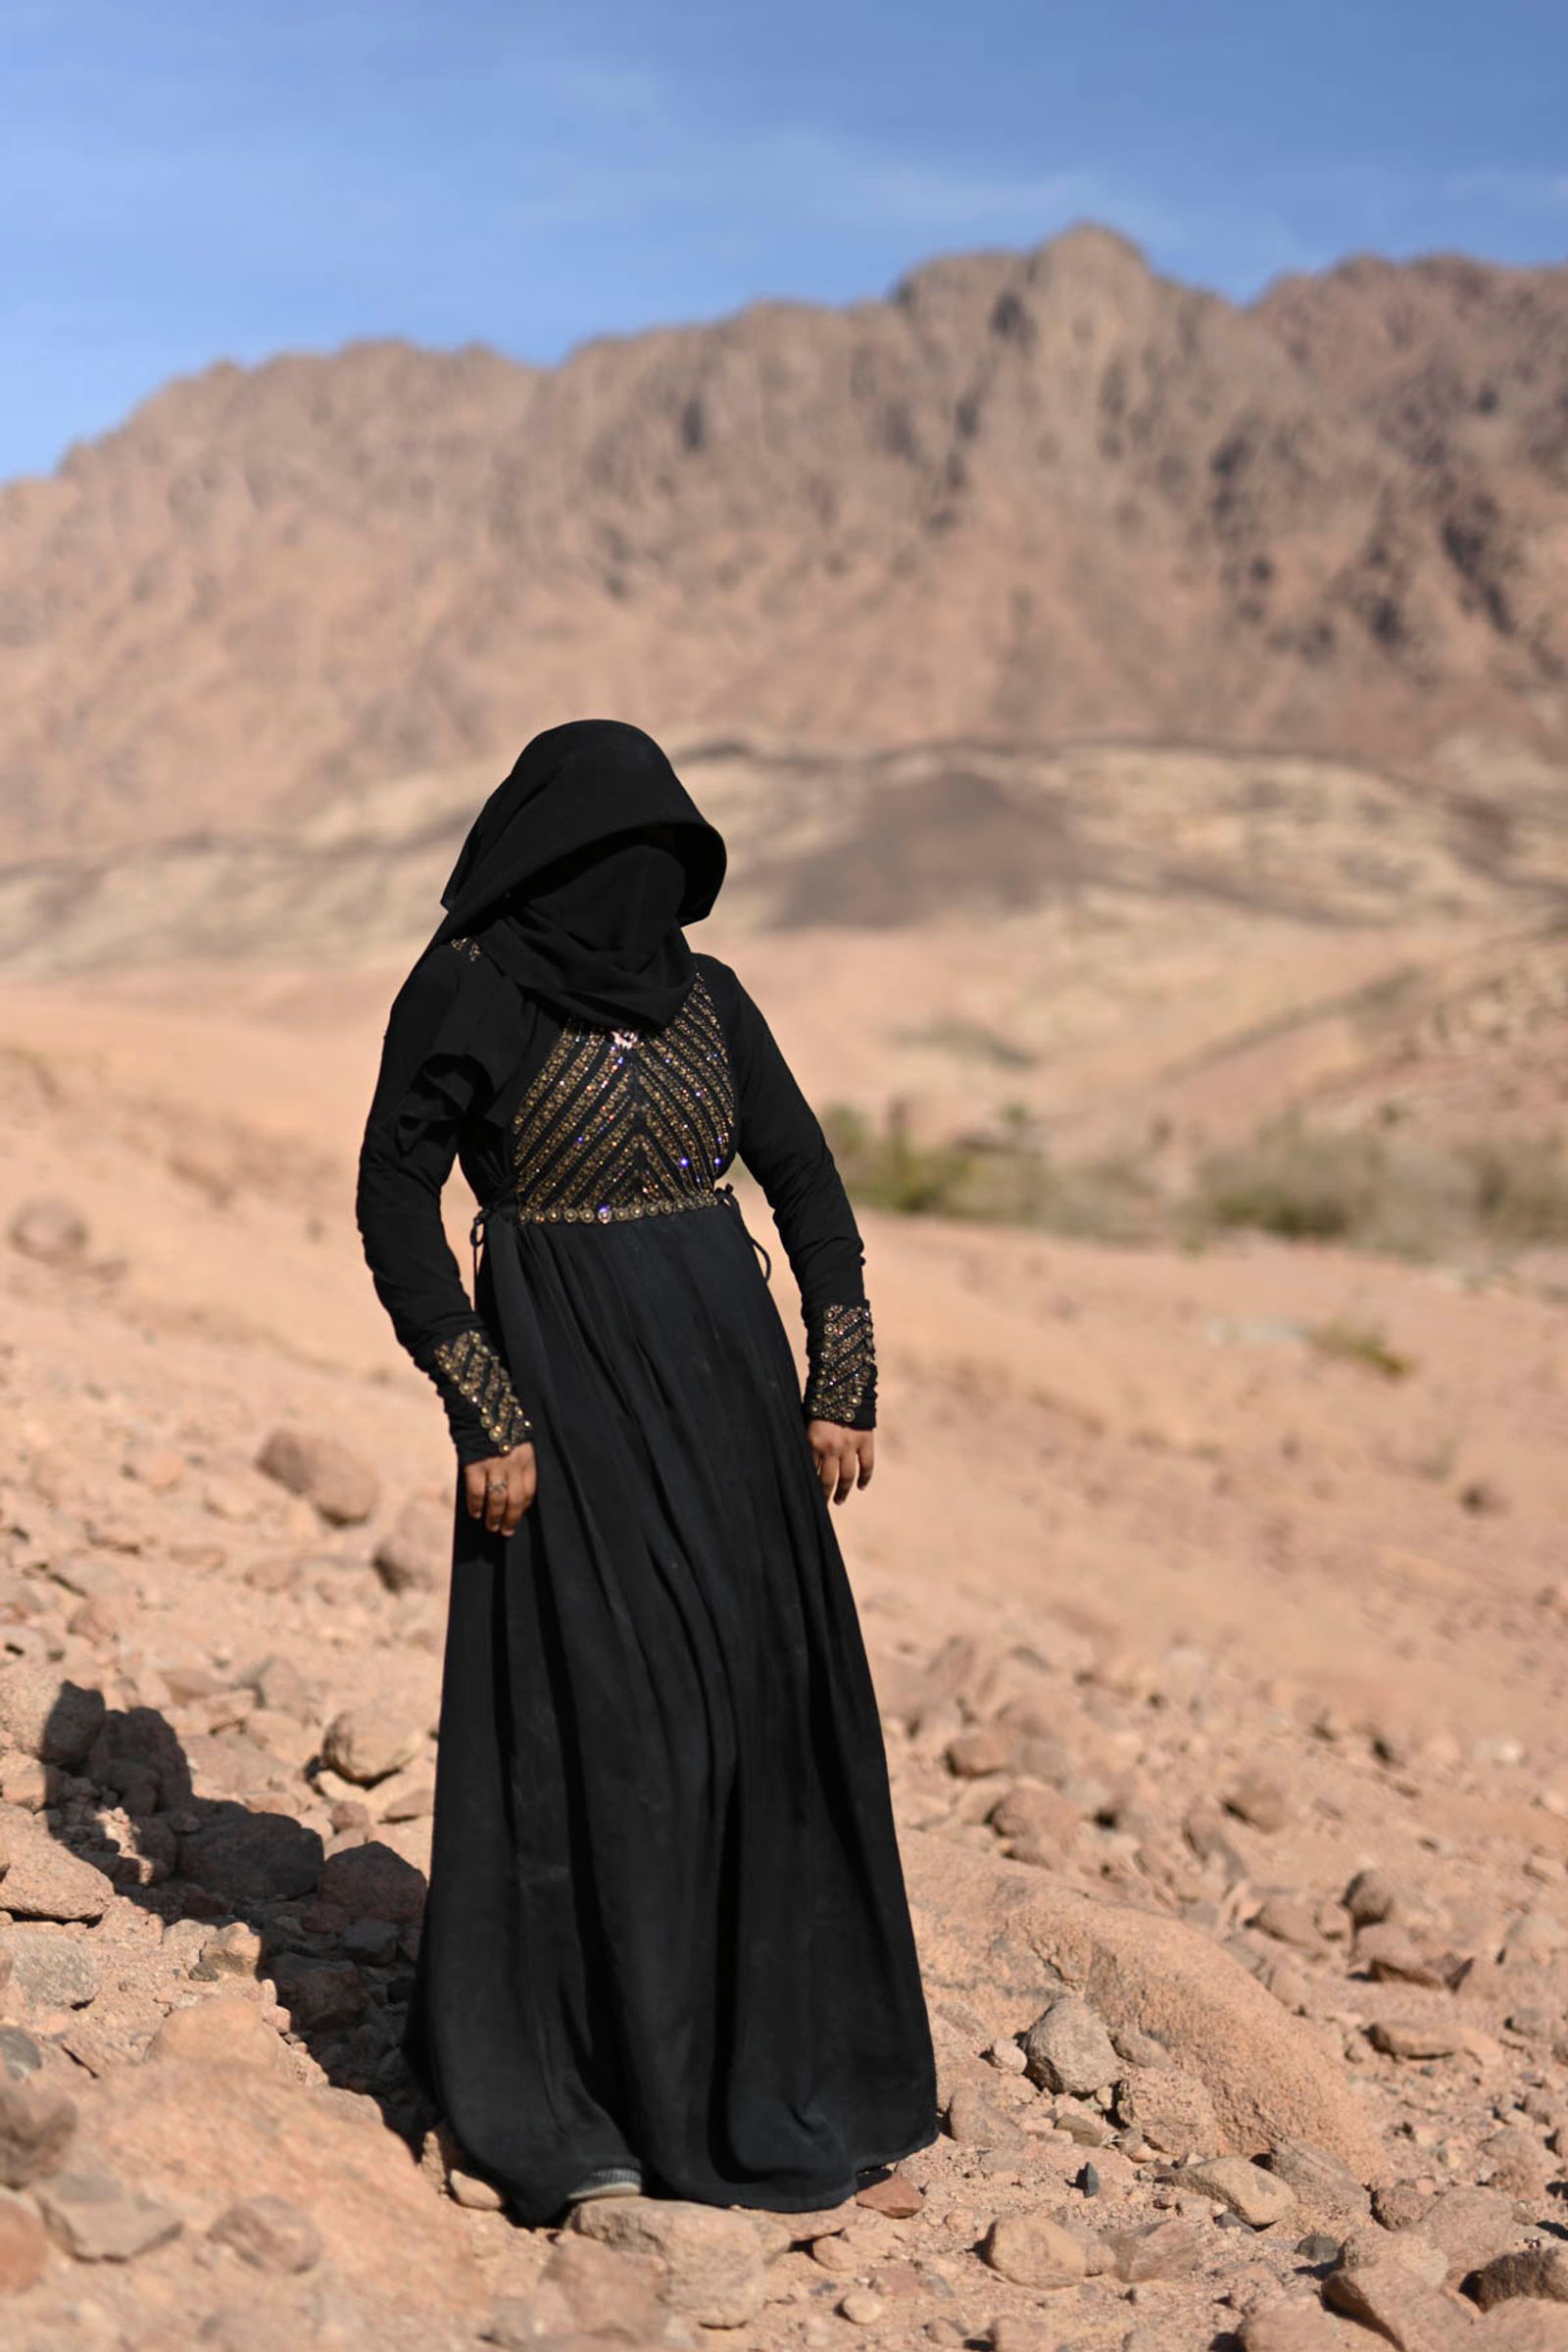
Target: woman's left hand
x=844, y=1457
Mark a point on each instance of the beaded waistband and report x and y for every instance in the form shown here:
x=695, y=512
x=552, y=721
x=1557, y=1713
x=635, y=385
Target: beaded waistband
x=608, y=1212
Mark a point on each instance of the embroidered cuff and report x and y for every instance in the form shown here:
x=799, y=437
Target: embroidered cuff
x=841, y=1385
x=469, y=1368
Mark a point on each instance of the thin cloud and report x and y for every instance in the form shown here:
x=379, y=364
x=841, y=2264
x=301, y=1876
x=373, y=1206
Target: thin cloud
x=1520, y=192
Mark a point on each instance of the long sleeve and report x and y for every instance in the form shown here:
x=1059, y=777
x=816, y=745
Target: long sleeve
x=406, y=1155
x=781, y=1141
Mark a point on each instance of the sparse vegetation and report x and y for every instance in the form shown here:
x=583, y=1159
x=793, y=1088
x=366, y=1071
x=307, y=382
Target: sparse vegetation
x=1375, y=1186
x=971, y=1040
x=1360, y=1343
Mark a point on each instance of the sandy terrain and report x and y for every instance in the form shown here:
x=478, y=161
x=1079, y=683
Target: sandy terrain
x=1189, y=1610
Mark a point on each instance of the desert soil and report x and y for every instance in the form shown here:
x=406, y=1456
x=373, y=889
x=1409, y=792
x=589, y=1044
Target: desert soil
x=1223, y=1676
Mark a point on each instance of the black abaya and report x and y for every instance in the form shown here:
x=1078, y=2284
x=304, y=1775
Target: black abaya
x=666, y=1922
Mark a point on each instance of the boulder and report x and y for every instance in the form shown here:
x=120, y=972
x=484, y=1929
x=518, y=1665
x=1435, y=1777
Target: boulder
x=714, y=2272
x=995, y=1931
x=203, y=2136
x=340, y=1483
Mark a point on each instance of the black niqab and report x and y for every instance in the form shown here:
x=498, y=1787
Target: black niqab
x=579, y=871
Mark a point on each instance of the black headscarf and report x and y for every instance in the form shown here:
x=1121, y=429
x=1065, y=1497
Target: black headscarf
x=579, y=871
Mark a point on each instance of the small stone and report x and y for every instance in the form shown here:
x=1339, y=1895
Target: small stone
x=1539, y=2272
x=1068, y=2049
x=1373, y=1896
x=1006, y=2055
x=1171, y=2109
x=1039, y=1820
x=1391, y=1956
x=1011, y=2332
x=974, y=1754
x=974, y=2120
x=371, y=1941
x=841, y=2251
x=1318, y=2249
x=1470, y=2228
x=591, y=2291
x=279, y=1685
x=98, y=2220
x=1288, y=1921
x=37, y=2127
x=24, y=2245
x=1031, y=2250
x=1293, y=2326
x=714, y=2264
x=342, y=1487
x=232, y=1951
x=1260, y=2198
x=20, y=2055
x=1534, y=1936
x=28, y=1782
x=1409, y=2038
x=322, y=1996
x=862, y=2307
x=406, y=1796
x=1156, y=2250
x=415, y=1555
x=51, y=1230
x=1325, y=2189
x=372, y=1882
x=52, y=1970
x=1083, y=2124
x=45, y=1717
x=365, y=1743
x=223, y=2029
x=270, y=2233
x=897, y=2196
x=1407, y=2250
x=250, y=1857
x=1516, y=2163
x=1397, y=2305
x=1259, y=1800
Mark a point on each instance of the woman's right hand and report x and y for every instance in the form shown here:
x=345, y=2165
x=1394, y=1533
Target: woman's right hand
x=500, y=1490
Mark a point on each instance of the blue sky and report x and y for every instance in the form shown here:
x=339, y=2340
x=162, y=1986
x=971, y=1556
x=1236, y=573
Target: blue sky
x=184, y=180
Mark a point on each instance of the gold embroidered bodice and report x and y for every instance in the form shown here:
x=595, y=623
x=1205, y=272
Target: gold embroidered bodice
x=618, y=1124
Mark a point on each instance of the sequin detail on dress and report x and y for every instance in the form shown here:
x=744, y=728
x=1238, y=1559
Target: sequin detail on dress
x=842, y=1348
x=618, y=1124
x=477, y=1372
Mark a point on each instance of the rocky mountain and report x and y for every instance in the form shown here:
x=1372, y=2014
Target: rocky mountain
x=1048, y=495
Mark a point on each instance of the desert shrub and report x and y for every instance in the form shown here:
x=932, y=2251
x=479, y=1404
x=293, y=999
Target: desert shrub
x=1288, y=1179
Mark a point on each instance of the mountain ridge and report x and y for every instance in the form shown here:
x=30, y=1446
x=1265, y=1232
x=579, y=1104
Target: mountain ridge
x=1047, y=494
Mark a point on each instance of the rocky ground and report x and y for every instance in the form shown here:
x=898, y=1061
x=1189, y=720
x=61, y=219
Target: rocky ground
x=1217, y=1604
x=1249, y=2002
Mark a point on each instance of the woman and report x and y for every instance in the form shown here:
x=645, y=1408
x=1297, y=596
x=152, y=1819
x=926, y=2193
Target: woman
x=666, y=1944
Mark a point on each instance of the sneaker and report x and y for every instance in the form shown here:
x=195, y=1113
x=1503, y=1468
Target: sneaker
x=611, y=2180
